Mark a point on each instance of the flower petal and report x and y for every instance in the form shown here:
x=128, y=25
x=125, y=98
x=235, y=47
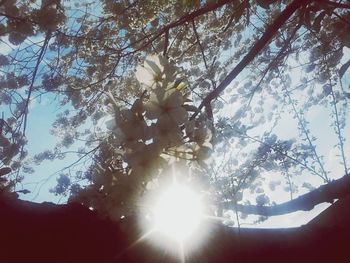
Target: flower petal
x=111, y=124
x=144, y=76
x=179, y=115
x=153, y=111
x=155, y=69
x=175, y=99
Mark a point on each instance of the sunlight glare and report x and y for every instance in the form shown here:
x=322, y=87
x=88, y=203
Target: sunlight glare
x=178, y=212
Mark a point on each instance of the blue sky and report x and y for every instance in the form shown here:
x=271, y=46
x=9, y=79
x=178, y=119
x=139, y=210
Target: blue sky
x=43, y=113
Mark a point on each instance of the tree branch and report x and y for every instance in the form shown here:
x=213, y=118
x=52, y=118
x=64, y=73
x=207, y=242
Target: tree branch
x=335, y=189
x=338, y=128
x=199, y=44
x=30, y=89
x=282, y=53
x=182, y=20
x=270, y=31
x=302, y=122
x=336, y=5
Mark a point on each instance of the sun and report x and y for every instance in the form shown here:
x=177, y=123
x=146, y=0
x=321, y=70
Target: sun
x=177, y=212
x=175, y=219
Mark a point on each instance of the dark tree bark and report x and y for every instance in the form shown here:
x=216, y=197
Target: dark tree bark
x=46, y=232
x=327, y=193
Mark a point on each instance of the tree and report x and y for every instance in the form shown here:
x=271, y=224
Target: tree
x=165, y=71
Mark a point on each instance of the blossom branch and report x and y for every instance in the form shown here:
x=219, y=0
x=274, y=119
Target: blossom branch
x=338, y=128
x=335, y=189
x=270, y=32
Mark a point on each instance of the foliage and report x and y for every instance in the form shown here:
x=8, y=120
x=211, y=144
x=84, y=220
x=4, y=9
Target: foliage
x=158, y=70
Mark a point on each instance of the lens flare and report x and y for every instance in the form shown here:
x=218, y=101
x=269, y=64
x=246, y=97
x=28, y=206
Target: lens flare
x=175, y=219
x=178, y=212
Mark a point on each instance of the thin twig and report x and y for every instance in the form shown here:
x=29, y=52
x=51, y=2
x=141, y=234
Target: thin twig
x=30, y=89
x=306, y=133
x=338, y=131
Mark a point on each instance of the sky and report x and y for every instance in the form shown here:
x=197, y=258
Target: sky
x=43, y=112
x=40, y=119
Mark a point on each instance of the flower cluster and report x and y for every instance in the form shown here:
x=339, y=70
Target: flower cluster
x=156, y=72
x=159, y=123
x=151, y=134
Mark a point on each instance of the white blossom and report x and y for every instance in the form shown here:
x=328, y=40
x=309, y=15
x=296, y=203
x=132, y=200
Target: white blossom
x=155, y=72
x=166, y=106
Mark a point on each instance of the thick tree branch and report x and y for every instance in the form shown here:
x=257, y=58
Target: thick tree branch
x=270, y=31
x=274, y=63
x=336, y=5
x=326, y=193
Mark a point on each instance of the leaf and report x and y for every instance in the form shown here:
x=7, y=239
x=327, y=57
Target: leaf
x=317, y=23
x=9, y=153
x=344, y=68
x=308, y=186
x=265, y=3
x=259, y=190
x=180, y=85
x=345, y=37
x=5, y=171
x=190, y=3
x=262, y=200
x=16, y=38
x=204, y=152
x=24, y=191
x=190, y=108
x=240, y=10
x=306, y=17
x=238, y=196
x=327, y=89
x=3, y=61
x=310, y=68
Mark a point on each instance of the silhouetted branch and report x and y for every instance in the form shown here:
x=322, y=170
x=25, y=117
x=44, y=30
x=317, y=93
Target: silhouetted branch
x=338, y=129
x=199, y=44
x=274, y=63
x=300, y=117
x=326, y=193
x=30, y=89
x=270, y=32
x=336, y=5
x=276, y=149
